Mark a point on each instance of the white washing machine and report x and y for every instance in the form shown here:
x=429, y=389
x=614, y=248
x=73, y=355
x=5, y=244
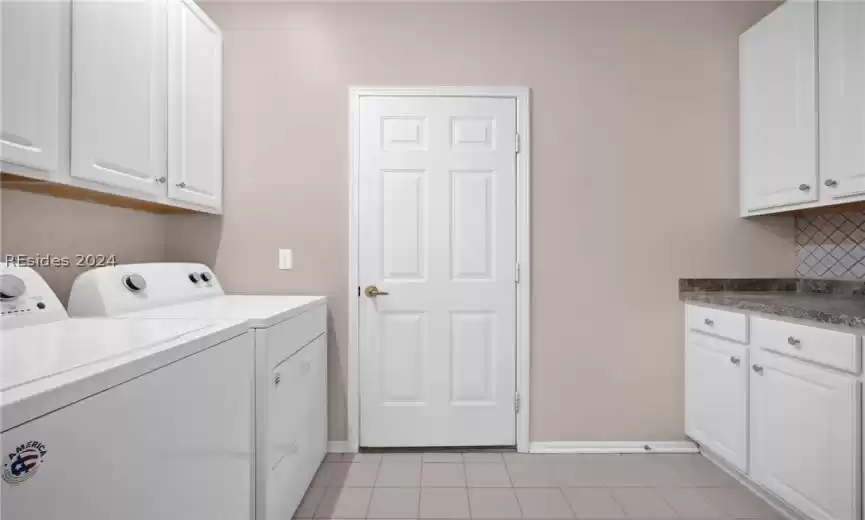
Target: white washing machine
x=290, y=358
x=110, y=419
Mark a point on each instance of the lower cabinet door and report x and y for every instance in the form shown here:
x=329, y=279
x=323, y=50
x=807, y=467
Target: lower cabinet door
x=716, y=397
x=805, y=447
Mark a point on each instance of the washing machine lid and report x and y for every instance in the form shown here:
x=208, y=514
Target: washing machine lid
x=45, y=367
x=258, y=311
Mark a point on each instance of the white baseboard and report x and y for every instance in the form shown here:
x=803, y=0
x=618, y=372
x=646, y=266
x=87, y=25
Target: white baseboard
x=337, y=446
x=782, y=507
x=613, y=447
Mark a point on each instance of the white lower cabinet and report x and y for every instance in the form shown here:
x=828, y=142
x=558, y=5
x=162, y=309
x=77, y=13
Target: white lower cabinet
x=716, y=397
x=784, y=408
x=805, y=436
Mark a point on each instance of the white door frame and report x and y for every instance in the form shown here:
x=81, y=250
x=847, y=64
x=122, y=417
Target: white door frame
x=523, y=303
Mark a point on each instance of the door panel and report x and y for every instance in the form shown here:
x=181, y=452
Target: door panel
x=777, y=75
x=842, y=98
x=437, y=186
x=716, y=397
x=195, y=106
x=805, y=444
x=119, y=94
x=34, y=137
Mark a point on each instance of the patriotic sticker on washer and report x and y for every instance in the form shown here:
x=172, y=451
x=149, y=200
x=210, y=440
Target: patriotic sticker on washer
x=24, y=462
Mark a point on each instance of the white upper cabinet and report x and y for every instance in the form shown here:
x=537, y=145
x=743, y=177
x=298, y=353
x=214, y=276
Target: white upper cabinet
x=805, y=444
x=119, y=94
x=194, y=106
x=841, y=59
x=777, y=75
x=716, y=397
x=34, y=109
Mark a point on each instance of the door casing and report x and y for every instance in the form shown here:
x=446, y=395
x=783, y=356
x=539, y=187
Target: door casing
x=523, y=303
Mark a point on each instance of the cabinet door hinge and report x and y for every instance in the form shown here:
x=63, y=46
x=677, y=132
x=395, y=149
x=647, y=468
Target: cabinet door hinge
x=358, y=291
x=517, y=143
x=517, y=274
x=517, y=402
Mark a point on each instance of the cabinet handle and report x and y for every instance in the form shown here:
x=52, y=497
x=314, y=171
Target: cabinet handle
x=793, y=341
x=758, y=369
x=181, y=184
x=831, y=183
x=804, y=187
x=709, y=322
x=735, y=360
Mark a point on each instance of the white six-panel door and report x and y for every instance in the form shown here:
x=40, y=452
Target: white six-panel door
x=437, y=232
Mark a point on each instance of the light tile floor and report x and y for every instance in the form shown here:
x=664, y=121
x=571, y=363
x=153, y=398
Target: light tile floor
x=502, y=486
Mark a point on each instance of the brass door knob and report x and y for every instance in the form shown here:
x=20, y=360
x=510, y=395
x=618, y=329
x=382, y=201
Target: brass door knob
x=372, y=291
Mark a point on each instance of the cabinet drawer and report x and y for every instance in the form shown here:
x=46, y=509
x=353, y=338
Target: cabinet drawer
x=286, y=338
x=730, y=325
x=827, y=347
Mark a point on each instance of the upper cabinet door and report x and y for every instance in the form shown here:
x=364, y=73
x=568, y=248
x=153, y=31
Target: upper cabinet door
x=842, y=99
x=34, y=109
x=777, y=75
x=119, y=94
x=195, y=106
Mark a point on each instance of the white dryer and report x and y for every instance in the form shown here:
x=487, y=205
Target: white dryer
x=109, y=419
x=290, y=359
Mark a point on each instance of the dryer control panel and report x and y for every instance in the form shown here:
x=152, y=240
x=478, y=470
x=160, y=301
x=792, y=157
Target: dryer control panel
x=121, y=289
x=26, y=299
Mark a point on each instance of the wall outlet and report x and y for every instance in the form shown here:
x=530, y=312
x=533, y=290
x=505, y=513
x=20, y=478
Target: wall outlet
x=285, y=259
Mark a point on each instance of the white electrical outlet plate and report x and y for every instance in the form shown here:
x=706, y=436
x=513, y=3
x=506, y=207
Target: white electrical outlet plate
x=285, y=259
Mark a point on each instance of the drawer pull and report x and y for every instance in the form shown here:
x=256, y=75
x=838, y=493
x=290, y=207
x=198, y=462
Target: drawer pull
x=709, y=322
x=793, y=341
x=758, y=369
x=736, y=360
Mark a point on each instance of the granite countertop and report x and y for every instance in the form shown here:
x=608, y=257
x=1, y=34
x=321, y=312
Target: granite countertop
x=833, y=302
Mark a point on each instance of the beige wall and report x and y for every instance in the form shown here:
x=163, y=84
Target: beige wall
x=33, y=224
x=634, y=129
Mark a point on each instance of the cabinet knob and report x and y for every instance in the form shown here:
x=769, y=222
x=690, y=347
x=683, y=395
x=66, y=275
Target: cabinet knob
x=161, y=180
x=709, y=322
x=793, y=341
x=181, y=184
x=831, y=183
x=757, y=368
x=735, y=360
x=804, y=187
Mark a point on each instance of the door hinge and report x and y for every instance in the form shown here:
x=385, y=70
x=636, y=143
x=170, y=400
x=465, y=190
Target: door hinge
x=517, y=274
x=518, y=143
x=358, y=291
x=517, y=402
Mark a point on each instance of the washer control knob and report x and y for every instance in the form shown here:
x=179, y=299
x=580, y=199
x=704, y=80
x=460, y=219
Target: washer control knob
x=205, y=277
x=134, y=282
x=11, y=287
x=193, y=277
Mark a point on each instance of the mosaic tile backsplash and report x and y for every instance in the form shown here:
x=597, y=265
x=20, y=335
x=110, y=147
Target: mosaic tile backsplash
x=831, y=245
